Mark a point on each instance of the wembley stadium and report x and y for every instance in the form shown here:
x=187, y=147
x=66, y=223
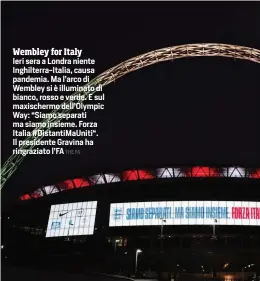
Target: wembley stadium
x=198, y=220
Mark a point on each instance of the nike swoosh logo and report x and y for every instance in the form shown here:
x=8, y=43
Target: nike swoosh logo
x=62, y=214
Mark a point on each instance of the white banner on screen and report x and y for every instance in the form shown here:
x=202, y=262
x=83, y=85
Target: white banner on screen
x=185, y=213
x=72, y=219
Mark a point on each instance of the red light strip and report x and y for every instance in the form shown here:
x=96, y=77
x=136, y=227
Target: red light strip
x=134, y=175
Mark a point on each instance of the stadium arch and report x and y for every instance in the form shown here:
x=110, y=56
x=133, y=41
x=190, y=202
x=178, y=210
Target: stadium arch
x=138, y=62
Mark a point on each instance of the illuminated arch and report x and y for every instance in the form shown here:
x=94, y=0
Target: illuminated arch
x=138, y=62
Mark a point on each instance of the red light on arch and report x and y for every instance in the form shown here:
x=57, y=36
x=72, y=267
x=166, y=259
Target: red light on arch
x=36, y=195
x=203, y=172
x=68, y=184
x=75, y=183
x=80, y=182
x=144, y=175
x=256, y=174
x=133, y=175
x=25, y=197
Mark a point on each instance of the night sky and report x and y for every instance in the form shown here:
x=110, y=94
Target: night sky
x=190, y=111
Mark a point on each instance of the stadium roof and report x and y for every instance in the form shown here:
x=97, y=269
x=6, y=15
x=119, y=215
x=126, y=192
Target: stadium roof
x=200, y=111
x=144, y=174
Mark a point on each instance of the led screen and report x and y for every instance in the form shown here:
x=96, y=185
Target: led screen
x=72, y=219
x=185, y=213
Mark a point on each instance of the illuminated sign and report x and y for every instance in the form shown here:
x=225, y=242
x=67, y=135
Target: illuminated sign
x=72, y=219
x=185, y=213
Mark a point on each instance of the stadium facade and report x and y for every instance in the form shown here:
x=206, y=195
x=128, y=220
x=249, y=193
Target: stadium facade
x=202, y=220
